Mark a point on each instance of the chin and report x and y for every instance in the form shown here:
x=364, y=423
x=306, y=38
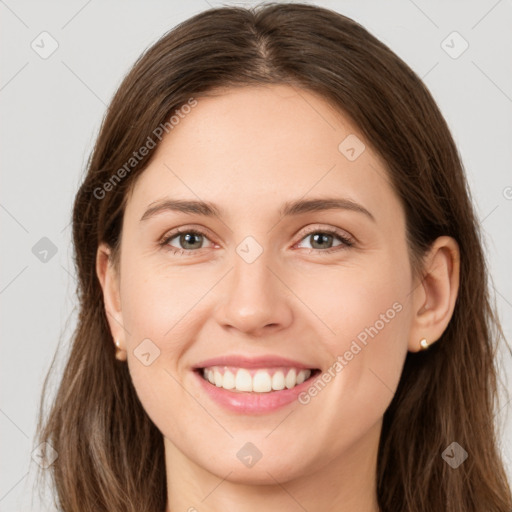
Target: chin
x=260, y=474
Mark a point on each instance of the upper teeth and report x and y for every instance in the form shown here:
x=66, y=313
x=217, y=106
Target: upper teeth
x=259, y=381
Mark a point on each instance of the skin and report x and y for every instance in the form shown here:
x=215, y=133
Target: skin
x=249, y=150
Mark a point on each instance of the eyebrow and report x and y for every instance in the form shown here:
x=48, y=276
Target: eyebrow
x=290, y=208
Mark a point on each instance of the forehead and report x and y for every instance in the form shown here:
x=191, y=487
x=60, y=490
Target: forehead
x=252, y=148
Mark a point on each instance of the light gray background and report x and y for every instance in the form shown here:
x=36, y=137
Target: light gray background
x=51, y=110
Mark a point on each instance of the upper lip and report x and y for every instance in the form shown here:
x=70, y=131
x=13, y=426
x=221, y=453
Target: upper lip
x=265, y=361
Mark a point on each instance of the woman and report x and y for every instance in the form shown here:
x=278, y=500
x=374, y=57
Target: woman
x=221, y=364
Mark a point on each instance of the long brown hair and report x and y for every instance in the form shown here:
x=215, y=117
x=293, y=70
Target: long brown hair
x=110, y=454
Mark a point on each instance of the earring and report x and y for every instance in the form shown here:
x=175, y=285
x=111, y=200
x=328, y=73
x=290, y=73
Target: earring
x=119, y=351
x=424, y=344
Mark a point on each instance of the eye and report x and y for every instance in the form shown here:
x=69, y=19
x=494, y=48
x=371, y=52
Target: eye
x=322, y=240
x=189, y=240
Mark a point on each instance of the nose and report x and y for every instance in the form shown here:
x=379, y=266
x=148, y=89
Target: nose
x=256, y=301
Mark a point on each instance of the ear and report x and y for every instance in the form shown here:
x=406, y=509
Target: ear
x=435, y=293
x=109, y=280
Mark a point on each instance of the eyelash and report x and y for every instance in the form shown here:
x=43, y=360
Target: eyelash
x=346, y=241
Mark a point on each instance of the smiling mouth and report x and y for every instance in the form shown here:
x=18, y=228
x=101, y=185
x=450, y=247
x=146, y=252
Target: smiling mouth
x=254, y=380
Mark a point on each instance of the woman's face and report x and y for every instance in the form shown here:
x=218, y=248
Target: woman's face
x=266, y=294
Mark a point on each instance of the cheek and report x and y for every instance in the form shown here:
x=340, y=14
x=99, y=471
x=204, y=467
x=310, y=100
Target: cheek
x=368, y=314
x=152, y=306
x=158, y=334
x=156, y=300
x=371, y=317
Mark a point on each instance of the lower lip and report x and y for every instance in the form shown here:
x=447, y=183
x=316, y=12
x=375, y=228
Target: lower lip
x=252, y=403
